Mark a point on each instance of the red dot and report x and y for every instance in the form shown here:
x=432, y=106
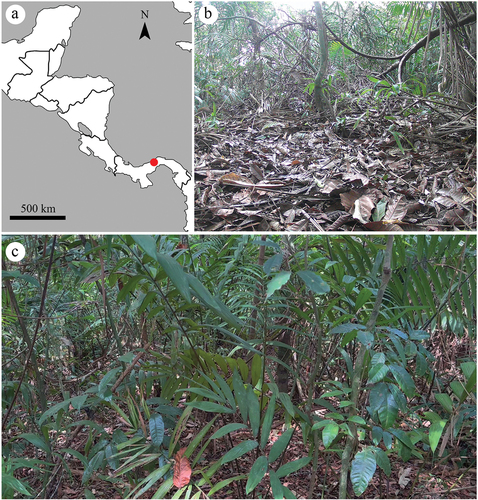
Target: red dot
x=154, y=162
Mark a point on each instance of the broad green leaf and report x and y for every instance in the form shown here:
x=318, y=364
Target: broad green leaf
x=221, y=484
x=280, y=445
x=383, y=402
x=109, y=377
x=347, y=327
x=277, y=282
x=78, y=401
x=276, y=485
x=257, y=472
x=36, y=440
x=176, y=274
x=377, y=433
x=254, y=410
x=156, y=429
x=8, y=481
x=240, y=394
x=256, y=369
x=227, y=429
x=63, y=405
x=357, y=420
x=226, y=390
x=163, y=490
x=445, y=400
x=362, y=471
x=239, y=450
x=205, y=393
x=314, y=282
x=383, y=461
x=366, y=339
x=273, y=264
x=422, y=365
x=377, y=373
x=293, y=466
x=18, y=274
x=267, y=422
x=404, y=380
x=211, y=407
x=285, y=400
x=362, y=298
x=203, y=294
x=403, y=437
x=147, y=243
x=329, y=433
x=435, y=432
x=93, y=465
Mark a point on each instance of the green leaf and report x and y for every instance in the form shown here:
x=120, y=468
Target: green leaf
x=276, y=485
x=314, y=282
x=377, y=373
x=293, y=466
x=37, y=441
x=280, y=445
x=383, y=402
x=63, y=405
x=435, y=432
x=254, y=410
x=93, y=465
x=171, y=267
x=273, y=264
x=277, y=282
x=239, y=450
x=240, y=394
x=362, y=471
x=285, y=400
x=329, y=433
x=404, y=380
x=211, y=407
x=403, y=437
x=205, y=393
x=363, y=296
x=267, y=422
x=257, y=472
x=366, y=339
x=383, y=461
x=377, y=433
x=10, y=482
x=226, y=390
x=78, y=401
x=445, y=400
x=156, y=429
x=256, y=369
x=109, y=377
x=227, y=429
x=18, y=274
x=203, y=294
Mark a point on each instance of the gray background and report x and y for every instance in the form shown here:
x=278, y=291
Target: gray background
x=150, y=115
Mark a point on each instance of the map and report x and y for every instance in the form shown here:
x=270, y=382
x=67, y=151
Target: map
x=97, y=117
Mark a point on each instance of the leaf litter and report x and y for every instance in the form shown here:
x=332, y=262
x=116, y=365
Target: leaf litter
x=279, y=171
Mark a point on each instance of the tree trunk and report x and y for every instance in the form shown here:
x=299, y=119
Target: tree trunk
x=282, y=373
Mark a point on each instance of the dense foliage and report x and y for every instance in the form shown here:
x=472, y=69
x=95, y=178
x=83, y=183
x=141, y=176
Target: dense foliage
x=227, y=365
x=259, y=54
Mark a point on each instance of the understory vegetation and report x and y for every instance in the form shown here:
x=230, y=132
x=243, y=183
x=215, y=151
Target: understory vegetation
x=347, y=116
x=281, y=366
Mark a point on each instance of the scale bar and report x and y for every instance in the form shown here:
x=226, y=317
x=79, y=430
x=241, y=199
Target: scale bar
x=37, y=217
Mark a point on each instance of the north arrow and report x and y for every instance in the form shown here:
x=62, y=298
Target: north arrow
x=144, y=32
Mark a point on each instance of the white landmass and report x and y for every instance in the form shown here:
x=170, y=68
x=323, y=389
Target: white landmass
x=28, y=68
x=185, y=6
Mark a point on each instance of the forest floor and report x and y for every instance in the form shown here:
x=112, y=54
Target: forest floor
x=375, y=171
x=443, y=478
